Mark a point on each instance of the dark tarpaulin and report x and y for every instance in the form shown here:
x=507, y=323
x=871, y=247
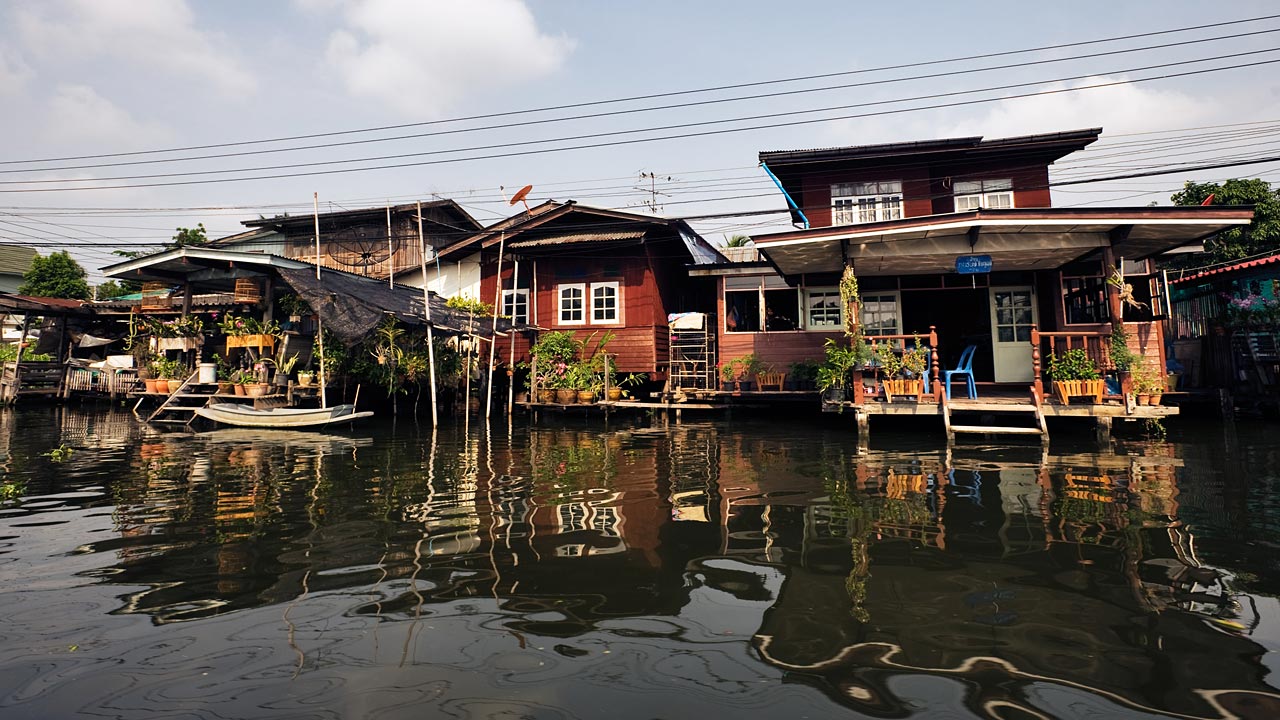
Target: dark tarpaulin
x=352, y=306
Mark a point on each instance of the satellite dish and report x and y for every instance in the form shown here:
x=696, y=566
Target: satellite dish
x=520, y=196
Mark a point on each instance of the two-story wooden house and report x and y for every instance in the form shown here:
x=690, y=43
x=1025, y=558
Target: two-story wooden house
x=591, y=271
x=958, y=235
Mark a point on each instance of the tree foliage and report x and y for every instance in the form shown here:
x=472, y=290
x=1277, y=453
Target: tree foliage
x=57, y=275
x=1260, y=236
x=183, y=237
x=110, y=290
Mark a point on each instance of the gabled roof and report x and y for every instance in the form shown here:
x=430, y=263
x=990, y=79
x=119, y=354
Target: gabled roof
x=1055, y=144
x=282, y=223
x=537, y=227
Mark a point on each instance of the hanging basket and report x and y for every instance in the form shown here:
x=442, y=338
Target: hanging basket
x=248, y=291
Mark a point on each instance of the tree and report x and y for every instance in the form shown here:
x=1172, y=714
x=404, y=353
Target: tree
x=109, y=290
x=737, y=241
x=1260, y=236
x=58, y=276
x=182, y=238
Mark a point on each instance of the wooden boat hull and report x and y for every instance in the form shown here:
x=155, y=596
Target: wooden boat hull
x=244, y=416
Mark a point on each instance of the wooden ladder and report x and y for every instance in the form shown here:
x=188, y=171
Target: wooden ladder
x=1032, y=409
x=168, y=405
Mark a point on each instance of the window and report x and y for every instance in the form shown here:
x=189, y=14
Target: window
x=879, y=314
x=781, y=310
x=853, y=203
x=975, y=194
x=572, y=304
x=742, y=310
x=604, y=302
x=1085, y=300
x=571, y=517
x=604, y=520
x=1014, y=315
x=515, y=305
x=823, y=307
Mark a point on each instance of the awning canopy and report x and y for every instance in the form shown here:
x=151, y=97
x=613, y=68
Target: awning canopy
x=1016, y=239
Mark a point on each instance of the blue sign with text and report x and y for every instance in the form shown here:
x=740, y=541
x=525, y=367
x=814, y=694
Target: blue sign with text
x=973, y=264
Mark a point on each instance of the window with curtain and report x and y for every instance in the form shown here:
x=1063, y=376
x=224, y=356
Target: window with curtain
x=865, y=202
x=975, y=194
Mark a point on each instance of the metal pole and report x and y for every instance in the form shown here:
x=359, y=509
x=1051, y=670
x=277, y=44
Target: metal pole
x=324, y=397
x=493, y=344
x=426, y=309
x=391, y=254
x=511, y=367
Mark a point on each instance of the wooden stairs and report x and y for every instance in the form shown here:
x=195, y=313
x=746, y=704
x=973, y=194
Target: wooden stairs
x=989, y=411
x=181, y=404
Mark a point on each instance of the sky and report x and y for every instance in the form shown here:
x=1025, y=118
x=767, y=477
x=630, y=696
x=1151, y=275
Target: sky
x=122, y=77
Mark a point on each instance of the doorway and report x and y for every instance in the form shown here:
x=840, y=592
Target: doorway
x=1013, y=314
x=962, y=318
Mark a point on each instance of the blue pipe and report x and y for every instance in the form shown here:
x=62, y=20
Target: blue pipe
x=786, y=195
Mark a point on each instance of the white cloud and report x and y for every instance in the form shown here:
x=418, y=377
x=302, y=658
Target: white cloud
x=77, y=113
x=161, y=36
x=421, y=58
x=14, y=73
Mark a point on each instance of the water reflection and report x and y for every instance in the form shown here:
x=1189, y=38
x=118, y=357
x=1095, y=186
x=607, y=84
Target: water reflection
x=677, y=571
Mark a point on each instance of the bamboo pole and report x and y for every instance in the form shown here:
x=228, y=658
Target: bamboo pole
x=426, y=310
x=324, y=397
x=391, y=254
x=493, y=345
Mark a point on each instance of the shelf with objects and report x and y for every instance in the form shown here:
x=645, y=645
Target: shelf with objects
x=692, y=354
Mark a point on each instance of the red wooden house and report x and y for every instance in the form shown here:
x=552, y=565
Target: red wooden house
x=958, y=235
x=565, y=266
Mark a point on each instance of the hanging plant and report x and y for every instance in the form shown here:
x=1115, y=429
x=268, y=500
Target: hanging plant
x=849, y=297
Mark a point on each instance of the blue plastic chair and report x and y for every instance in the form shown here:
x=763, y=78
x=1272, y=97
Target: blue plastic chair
x=964, y=367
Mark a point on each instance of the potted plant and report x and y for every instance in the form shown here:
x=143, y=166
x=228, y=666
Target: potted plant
x=1122, y=358
x=1148, y=386
x=729, y=375
x=803, y=375
x=1074, y=374
x=768, y=376
x=833, y=375
x=904, y=370
x=284, y=366
x=304, y=378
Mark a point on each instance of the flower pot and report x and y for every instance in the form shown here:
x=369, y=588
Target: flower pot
x=546, y=396
x=240, y=389
x=162, y=386
x=1155, y=398
x=566, y=396
x=586, y=397
x=304, y=379
x=911, y=389
x=281, y=379
x=1067, y=389
x=151, y=385
x=1142, y=399
x=614, y=394
x=257, y=389
x=834, y=395
x=226, y=388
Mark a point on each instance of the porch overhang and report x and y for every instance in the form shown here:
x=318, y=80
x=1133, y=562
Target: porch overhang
x=196, y=264
x=1029, y=239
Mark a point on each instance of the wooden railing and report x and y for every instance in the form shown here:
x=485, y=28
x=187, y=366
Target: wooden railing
x=1096, y=344
x=930, y=340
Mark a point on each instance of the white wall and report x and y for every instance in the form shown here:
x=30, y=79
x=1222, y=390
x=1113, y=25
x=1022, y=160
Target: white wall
x=451, y=280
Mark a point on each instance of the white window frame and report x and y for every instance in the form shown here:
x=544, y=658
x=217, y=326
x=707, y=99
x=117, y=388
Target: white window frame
x=825, y=292
x=897, y=311
x=977, y=194
x=512, y=300
x=866, y=202
x=617, y=303
x=561, y=308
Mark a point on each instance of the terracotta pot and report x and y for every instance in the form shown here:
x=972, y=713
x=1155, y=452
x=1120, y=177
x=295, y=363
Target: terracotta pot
x=240, y=389
x=1143, y=399
x=162, y=386
x=566, y=396
x=614, y=394
x=546, y=396
x=152, y=385
x=257, y=389
x=226, y=388
x=1155, y=398
x=586, y=396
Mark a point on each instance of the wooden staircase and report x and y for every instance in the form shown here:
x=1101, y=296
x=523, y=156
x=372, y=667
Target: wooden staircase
x=181, y=405
x=1028, y=411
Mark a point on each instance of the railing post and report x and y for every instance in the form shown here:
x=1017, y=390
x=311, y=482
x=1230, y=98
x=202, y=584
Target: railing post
x=933, y=352
x=1036, y=381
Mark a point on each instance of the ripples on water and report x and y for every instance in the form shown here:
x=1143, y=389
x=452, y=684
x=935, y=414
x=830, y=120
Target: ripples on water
x=744, y=569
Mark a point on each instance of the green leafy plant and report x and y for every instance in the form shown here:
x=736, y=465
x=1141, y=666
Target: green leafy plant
x=11, y=490
x=850, y=299
x=61, y=454
x=292, y=305
x=1147, y=379
x=804, y=370
x=1074, y=364
x=1122, y=357
x=469, y=305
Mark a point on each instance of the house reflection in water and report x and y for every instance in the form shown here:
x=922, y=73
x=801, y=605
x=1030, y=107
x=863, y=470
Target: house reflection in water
x=1028, y=583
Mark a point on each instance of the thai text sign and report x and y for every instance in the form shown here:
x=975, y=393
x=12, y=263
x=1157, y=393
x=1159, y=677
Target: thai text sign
x=973, y=264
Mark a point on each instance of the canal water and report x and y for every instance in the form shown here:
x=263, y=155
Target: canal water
x=752, y=568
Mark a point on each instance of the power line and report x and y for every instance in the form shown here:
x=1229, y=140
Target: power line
x=652, y=96
x=685, y=135
x=614, y=113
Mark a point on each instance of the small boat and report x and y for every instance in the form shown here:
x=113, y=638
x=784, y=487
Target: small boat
x=244, y=416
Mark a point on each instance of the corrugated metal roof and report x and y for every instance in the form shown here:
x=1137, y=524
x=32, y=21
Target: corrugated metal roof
x=15, y=259
x=582, y=237
x=1229, y=268
x=923, y=146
